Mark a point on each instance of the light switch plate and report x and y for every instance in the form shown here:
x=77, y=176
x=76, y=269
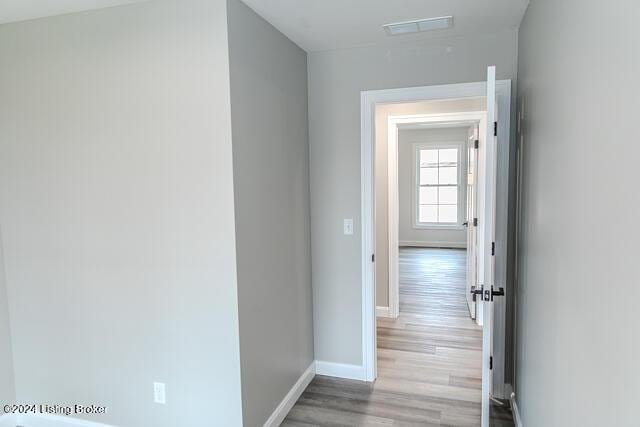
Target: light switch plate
x=159, y=393
x=348, y=227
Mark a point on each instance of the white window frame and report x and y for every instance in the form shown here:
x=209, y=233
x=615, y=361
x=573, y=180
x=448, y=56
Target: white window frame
x=462, y=188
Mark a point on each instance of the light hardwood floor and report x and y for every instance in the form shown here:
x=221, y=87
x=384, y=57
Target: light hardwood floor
x=429, y=359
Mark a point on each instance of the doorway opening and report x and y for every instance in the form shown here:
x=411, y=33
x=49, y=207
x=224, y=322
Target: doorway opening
x=425, y=192
x=429, y=335
x=407, y=341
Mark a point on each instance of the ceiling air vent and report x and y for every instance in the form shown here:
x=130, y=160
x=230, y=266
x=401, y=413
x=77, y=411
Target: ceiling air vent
x=408, y=27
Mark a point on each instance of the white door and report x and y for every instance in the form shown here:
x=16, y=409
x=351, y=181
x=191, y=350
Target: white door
x=472, y=173
x=487, y=154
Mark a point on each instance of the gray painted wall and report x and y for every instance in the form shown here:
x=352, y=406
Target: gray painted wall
x=271, y=177
x=335, y=81
x=578, y=290
x=406, y=184
x=7, y=389
x=116, y=205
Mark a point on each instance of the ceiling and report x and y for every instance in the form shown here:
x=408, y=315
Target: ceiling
x=327, y=24
x=333, y=24
x=22, y=10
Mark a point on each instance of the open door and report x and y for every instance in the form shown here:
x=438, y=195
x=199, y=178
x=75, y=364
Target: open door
x=472, y=191
x=487, y=165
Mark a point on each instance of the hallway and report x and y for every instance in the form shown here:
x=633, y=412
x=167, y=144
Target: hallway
x=429, y=370
x=434, y=348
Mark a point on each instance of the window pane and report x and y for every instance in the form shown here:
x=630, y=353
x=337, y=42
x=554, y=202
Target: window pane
x=428, y=158
x=448, y=175
x=448, y=213
x=428, y=176
x=449, y=157
x=428, y=196
x=428, y=213
x=448, y=196
x=439, y=185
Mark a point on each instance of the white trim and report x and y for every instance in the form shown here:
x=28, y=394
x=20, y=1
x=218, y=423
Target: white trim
x=369, y=338
x=368, y=101
x=423, y=244
x=339, y=370
x=393, y=216
x=514, y=411
x=383, y=312
x=46, y=420
x=394, y=122
x=280, y=413
x=9, y=420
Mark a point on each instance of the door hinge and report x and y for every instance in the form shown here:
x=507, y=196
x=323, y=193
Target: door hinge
x=490, y=362
x=373, y=257
x=475, y=222
x=495, y=128
x=476, y=144
x=493, y=248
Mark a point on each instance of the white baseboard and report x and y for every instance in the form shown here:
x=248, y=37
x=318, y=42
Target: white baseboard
x=45, y=420
x=514, y=410
x=280, y=413
x=339, y=370
x=383, y=312
x=418, y=244
x=9, y=420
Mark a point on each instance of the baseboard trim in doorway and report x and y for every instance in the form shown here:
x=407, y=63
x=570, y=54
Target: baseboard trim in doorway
x=514, y=410
x=278, y=416
x=339, y=370
x=383, y=312
x=444, y=245
x=45, y=420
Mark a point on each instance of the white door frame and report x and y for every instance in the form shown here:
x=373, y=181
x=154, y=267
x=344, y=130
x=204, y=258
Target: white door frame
x=457, y=119
x=368, y=101
x=474, y=141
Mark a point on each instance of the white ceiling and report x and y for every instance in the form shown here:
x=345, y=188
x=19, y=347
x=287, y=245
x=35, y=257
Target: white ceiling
x=22, y=10
x=327, y=24
x=332, y=24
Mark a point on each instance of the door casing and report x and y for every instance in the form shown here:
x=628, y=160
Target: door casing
x=472, y=212
x=369, y=99
x=464, y=118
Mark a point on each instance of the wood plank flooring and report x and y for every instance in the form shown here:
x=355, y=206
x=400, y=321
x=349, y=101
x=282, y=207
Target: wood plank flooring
x=429, y=359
